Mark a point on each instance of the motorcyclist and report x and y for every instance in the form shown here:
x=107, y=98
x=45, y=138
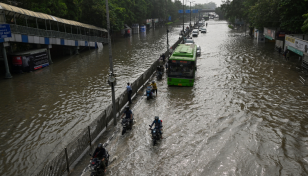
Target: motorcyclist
x=154, y=87
x=158, y=125
x=100, y=153
x=128, y=113
x=164, y=57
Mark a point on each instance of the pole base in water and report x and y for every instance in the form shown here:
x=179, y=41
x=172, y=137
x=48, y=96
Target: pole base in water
x=8, y=76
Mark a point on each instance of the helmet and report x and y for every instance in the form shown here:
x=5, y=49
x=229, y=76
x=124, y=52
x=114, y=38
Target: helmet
x=126, y=107
x=153, y=82
x=156, y=117
x=100, y=145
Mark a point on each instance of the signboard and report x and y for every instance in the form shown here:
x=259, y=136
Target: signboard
x=5, y=31
x=269, y=33
x=180, y=11
x=296, y=45
x=156, y=20
x=148, y=21
x=281, y=34
x=169, y=18
x=195, y=11
x=187, y=11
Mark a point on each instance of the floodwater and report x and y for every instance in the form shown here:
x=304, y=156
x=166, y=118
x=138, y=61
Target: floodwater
x=42, y=111
x=245, y=115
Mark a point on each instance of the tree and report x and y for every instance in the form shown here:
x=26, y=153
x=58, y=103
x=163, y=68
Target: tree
x=291, y=14
x=305, y=25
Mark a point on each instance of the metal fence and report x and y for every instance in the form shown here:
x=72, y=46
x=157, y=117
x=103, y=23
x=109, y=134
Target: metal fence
x=54, y=34
x=77, y=146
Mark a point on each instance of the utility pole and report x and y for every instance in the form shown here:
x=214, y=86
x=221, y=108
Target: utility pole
x=111, y=76
x=167, y=26
x=190, y=15
x=183, y=16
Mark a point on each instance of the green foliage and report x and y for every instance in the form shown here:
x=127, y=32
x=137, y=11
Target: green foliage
x=230, y=26
x=94, y=11
x=283, y=14
x=305, y=25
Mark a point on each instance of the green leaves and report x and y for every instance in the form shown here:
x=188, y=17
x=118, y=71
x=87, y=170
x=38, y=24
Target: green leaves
x=285, y=14
x=305, y=25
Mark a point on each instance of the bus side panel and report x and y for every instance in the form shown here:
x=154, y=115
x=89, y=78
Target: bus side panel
x=181, y=82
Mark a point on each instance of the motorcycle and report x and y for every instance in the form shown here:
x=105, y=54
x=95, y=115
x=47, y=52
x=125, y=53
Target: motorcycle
x=155, y=135
x=159, y=72
x=127, y=125
x=149, y=92
x=95, y=163
x=159, y=75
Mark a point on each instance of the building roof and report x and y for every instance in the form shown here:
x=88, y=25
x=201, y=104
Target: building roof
x=23, y=13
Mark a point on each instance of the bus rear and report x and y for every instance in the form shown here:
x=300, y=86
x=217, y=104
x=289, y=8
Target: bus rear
x=182, y=66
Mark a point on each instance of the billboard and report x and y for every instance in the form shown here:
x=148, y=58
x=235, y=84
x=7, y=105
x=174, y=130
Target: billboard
x=5, y=31
x=269, y=33
x=148, y=21
x=296, y=45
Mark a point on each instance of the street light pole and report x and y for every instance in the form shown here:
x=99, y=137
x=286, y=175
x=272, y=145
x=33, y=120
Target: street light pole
x=190, y=15
x=111, y=67
x=183, y=16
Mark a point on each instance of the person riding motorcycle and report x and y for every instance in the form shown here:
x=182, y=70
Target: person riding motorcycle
x=128, y=113
x=158, y=125
x=100, y=153
x=154, y=87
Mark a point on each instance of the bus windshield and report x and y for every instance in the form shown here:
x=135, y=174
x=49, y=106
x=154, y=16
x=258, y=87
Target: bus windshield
x=181, y=69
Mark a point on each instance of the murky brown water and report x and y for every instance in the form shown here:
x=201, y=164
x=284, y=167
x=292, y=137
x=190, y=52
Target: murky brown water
x=40, y=112
x=245, y=115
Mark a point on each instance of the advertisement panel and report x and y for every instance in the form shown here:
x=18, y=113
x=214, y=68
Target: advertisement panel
x=156, y=20
x=5, y=31
x=269, y=33
x=148, y=21
x=296, y=45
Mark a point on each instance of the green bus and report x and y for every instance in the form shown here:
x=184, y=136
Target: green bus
x=182, y=65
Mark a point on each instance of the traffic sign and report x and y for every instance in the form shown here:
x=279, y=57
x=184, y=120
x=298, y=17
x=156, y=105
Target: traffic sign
x=195, y=11
x=187, y=11
x=5, y=31
x=180, y=11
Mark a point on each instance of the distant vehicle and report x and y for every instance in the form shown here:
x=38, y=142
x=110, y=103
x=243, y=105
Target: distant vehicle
x=189, y=41
x=196, y=27
x=182, y=66
x=198, y=50
x=203, y=30
x=195, y=33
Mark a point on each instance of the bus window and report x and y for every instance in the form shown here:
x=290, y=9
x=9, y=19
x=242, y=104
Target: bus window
x=182, y=69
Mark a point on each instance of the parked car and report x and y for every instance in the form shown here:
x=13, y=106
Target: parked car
x=198, y=50
x=195, y=33
x=189, y=41
x=203, y=30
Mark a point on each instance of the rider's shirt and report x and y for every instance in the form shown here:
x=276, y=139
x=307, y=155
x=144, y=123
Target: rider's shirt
x=128, y=113
x=154, y=85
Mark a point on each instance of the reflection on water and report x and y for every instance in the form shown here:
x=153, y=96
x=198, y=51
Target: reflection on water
x=42, y=111
x=245, y=115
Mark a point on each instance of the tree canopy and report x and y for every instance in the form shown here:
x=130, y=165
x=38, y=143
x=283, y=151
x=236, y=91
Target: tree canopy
x=284, y=14
x=94, y=11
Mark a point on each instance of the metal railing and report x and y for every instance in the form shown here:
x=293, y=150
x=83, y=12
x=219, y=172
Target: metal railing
x=60, y=164
x=54, y=34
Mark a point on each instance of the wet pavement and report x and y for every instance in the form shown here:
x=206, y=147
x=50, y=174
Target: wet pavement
x=245, y=115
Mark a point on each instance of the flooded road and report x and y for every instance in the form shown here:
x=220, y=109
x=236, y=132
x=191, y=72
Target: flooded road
x=42, y=111
x=245, y=115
